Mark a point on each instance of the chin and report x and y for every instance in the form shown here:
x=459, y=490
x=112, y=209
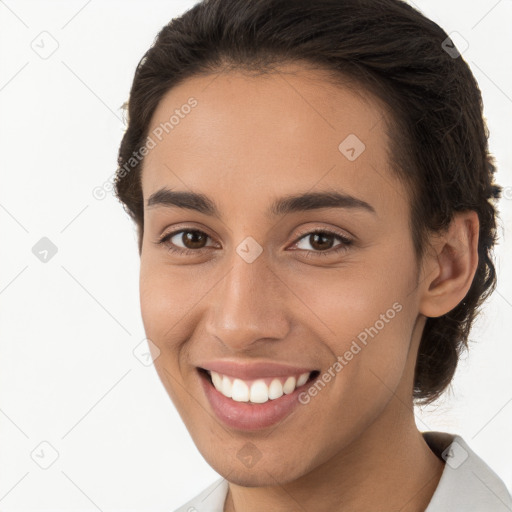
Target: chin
x=262, y=474
x=262, y=478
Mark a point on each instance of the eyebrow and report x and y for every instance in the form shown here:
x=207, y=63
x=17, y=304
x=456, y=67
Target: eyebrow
x=281, y=206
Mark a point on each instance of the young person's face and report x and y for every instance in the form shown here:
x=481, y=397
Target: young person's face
x=305, y=302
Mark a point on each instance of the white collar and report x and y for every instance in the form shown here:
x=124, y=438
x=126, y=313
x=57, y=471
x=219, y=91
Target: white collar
x=467, y=482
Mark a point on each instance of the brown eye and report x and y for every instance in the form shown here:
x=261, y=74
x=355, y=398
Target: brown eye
x=194, y=239
x=185, y=241
x=321, y=242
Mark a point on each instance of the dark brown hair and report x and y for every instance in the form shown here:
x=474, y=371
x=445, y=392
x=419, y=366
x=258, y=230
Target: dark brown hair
x=438, y=136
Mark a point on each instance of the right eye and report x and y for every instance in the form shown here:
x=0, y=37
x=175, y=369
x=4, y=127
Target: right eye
x=193, y=241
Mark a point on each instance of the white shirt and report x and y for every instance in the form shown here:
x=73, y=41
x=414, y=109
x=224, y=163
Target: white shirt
x=467, y=483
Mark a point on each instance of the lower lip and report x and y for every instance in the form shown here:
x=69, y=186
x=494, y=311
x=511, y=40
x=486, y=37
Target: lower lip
x=246, y=415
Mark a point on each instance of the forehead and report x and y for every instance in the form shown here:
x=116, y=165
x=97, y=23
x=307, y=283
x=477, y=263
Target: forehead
x=260, y=135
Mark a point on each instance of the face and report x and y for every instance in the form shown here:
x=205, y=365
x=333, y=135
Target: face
x=254, y=286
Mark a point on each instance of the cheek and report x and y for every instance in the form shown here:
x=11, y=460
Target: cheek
x=162, y=315
x=348, y=302
x=368, y=335
x=170, y=301
x=366, y=319
x=155, y=305
x=161, y=311
x=166, y=298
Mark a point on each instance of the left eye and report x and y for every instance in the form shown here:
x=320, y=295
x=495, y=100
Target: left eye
x=322, y=241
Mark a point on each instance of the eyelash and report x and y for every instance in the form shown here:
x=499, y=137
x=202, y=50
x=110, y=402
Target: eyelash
x=346, y=242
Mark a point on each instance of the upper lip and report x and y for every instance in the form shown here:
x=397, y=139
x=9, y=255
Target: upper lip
x=254, y=370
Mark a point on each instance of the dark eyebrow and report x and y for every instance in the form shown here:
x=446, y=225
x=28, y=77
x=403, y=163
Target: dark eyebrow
x=282, y=206
x=316, y=201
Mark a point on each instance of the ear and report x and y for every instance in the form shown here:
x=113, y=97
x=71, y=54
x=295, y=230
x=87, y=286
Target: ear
x=450, y=266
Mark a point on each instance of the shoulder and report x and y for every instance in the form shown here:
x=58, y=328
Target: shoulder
x=467, y=482
x=210, y=499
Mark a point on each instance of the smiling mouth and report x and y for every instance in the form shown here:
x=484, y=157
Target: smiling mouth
x=260, y=390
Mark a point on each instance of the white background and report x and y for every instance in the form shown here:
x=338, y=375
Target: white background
x=68, y=375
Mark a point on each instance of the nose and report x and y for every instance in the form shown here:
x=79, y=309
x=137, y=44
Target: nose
x=248, y=307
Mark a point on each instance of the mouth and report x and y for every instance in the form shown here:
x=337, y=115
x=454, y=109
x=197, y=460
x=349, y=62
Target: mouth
x=254, y=404
x=259, y=390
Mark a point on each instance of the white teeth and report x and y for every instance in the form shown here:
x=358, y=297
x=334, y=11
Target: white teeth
x=240, y=391
x=302, y=379
x=257, y=391
x=217, y=380
x=289, y=385
x=275, y=390
x=226, y=387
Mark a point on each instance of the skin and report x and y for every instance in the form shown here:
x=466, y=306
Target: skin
x=250, y=140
